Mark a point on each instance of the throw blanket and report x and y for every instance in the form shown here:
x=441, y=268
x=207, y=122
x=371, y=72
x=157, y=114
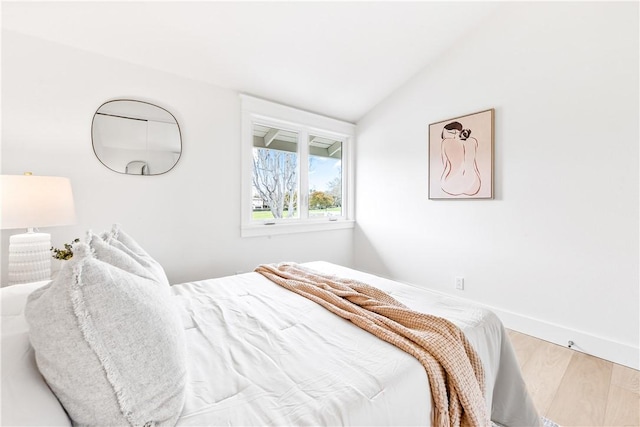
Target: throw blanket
x=455, y=372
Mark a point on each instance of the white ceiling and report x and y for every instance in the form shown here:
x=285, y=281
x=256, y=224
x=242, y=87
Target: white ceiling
x=334, y=58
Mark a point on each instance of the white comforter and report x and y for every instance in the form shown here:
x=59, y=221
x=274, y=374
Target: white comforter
x=262, y=355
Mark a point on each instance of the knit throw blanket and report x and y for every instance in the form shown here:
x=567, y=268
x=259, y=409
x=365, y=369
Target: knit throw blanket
x=455, y=372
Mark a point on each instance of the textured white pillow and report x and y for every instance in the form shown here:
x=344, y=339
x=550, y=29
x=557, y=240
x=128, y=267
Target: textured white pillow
x=119, y=257
x=121, y=240
x=109, y=344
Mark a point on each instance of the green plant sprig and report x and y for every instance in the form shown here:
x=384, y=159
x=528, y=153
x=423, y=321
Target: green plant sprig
x=66, y=253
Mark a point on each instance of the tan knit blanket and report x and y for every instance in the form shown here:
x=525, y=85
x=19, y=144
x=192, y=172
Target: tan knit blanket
x=454, y=368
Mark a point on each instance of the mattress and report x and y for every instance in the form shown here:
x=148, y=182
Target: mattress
x=262, y=355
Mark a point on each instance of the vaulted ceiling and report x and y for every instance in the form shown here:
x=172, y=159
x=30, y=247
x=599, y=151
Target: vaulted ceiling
x=334, y=58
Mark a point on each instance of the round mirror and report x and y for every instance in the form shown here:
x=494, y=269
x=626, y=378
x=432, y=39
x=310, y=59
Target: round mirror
x=135, y=137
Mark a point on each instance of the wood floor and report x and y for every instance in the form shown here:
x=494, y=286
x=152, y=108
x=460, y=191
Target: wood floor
x=575, y=389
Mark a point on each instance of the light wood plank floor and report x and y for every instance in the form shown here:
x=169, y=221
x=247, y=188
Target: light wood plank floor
x=575, y=389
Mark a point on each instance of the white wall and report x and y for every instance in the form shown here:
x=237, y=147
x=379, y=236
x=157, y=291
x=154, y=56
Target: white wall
x=556, y=252
x=189, y=218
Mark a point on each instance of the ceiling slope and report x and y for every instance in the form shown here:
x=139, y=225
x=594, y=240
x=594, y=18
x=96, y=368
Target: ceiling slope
x=338, y=59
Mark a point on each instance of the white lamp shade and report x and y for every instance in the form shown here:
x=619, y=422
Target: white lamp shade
x=36, y=201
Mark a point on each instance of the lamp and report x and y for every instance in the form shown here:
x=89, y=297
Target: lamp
x=33, y=201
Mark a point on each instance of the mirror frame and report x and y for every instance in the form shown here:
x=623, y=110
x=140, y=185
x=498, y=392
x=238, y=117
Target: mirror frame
x=93, y=144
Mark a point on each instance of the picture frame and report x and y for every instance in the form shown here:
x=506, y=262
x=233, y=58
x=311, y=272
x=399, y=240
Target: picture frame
x=461, y=157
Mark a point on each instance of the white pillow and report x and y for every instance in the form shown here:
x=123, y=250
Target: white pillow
x=121, y=240
x=109, y=344
x=14, y=297
x=27, y=400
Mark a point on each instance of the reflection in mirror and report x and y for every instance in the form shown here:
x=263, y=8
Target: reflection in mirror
x=136, y=138
x=137, y=167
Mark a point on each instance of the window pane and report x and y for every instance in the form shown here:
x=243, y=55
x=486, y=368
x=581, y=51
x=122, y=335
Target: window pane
x=275, y=173
x=325, y=177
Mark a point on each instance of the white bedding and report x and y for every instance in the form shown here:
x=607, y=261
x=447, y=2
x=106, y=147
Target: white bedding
x=261, y=355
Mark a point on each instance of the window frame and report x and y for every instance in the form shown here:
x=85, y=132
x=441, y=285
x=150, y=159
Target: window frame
x=260, y=111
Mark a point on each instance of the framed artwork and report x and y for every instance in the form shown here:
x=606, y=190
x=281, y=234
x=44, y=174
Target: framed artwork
x=461, y=157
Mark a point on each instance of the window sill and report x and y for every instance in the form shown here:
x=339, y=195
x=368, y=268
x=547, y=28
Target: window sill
x=290, y=227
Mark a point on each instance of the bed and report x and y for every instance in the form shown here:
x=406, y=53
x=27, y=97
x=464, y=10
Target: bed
x=258, y=354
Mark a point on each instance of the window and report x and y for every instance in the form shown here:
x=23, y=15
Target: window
x=325, y=177
x=296, y=170
x=275, y=173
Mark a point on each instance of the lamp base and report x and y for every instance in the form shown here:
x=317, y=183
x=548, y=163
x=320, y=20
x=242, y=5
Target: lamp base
x=29, y=258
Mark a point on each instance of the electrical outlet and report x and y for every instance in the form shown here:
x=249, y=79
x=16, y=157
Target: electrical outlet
x=460, y=283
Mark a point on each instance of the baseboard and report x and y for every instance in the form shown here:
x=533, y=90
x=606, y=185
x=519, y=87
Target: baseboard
x=601, y=347
x=604, y=348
